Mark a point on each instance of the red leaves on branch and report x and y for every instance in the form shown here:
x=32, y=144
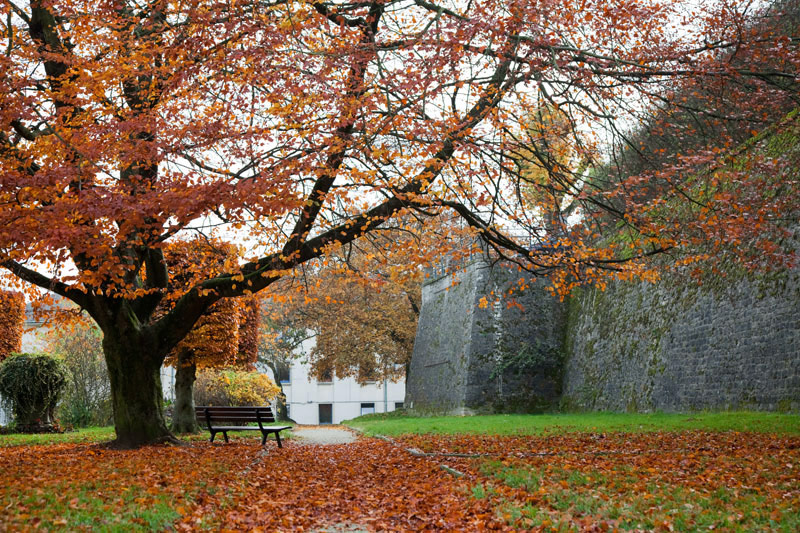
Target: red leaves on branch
x=12, y=319
x=303, y=126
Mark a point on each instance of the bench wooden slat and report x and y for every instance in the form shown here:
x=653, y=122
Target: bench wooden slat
x=239, y=414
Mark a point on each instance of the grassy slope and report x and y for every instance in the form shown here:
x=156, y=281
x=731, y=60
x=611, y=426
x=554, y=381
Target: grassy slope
x=588, y=422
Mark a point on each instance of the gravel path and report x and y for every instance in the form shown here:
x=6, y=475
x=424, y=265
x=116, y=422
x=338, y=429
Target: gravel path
x=323, y=434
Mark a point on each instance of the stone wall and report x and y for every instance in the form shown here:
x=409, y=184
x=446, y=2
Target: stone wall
x=437, y=379
x=467, y=355
x=642, y=346
x=670, y=346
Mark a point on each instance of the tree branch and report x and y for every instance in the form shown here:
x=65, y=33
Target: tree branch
x=40, y=280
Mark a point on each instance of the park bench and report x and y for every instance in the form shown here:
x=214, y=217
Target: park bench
x=221, y=420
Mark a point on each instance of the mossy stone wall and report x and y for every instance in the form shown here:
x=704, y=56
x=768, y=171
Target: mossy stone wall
x=676, y=346
x=465, y=354
x=730, y=343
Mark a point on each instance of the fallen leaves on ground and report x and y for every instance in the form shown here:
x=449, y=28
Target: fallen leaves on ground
x=654, y=481
x=235, y=487
x=591, y=482
x=369, y=483
x=89, y=487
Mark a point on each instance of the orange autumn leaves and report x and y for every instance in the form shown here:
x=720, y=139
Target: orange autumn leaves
x=234, y=487
x=369, y=485
x=227, y=334
x=12, y=317
x=586, y=482
x=651, y=481
x=250, y=115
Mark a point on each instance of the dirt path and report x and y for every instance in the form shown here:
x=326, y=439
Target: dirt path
x=323, y=435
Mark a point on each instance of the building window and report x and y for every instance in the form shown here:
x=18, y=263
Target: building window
x=326, y=413
x=398, y=405
x=367, y=408
x=284, y=374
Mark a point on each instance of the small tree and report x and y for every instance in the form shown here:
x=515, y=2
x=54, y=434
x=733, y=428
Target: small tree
x=32, y=384
x=12, y=318
x=225, y=335
x=87, y=398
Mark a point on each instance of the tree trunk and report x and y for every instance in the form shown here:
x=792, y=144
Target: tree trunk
x=134, y=369
x=281, y=412
x=183, y=417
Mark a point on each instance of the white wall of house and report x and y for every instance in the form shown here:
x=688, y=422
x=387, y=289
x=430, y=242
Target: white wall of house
x=313, y=402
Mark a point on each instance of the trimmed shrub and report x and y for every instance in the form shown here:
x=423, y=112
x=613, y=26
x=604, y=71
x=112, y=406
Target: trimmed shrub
x=31, y=385
x=234, y=387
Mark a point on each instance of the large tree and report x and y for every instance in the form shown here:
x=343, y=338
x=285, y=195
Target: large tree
x=309, y=124
x=12, y=321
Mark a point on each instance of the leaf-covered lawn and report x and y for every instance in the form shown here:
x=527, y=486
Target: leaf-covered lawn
x=686, y=480
x=237, y=486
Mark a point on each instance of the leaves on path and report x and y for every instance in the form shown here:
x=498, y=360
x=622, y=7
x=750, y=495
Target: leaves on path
x=653, y=481
x=234, y=486
x=369, y=483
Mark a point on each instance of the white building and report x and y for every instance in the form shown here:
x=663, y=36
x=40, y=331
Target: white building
x=313, y=402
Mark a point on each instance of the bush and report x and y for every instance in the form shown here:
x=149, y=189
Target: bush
x=87, y=398
x=31, y=384
x=234, y=387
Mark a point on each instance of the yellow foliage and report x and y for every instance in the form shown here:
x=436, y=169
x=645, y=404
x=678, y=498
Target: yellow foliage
x=234, y=387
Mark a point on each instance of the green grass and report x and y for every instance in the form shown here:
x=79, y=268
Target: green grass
x=583, y=422
x=97, y=435
x=85, y=435
x=85, y=511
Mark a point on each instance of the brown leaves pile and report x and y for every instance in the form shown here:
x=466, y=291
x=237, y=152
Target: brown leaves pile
x=370, y=483
x=237, y=487
x=590, y=482
x=662, y=481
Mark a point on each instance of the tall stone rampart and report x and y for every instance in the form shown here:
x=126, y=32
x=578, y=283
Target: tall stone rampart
x=466, y=354
x=675, y=346
x=669, y=346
